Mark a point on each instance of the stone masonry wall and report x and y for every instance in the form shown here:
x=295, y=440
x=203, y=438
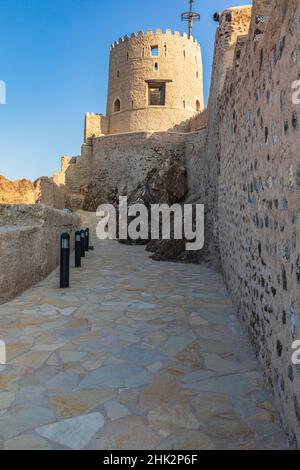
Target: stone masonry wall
x=249, y=157
x=259, y=197
x=30, y=245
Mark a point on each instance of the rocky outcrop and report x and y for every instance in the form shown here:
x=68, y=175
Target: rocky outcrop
x=16, y=192
x=164, y=185
x=97, y=192
x=43, y=191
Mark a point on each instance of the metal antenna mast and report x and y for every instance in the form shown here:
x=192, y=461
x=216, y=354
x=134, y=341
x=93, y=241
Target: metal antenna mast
x=190, y=16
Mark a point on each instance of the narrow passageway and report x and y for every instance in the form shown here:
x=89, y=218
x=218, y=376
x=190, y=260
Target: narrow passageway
x=137, y=354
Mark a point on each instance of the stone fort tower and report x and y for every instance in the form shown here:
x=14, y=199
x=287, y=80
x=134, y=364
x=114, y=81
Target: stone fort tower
x=155, y=84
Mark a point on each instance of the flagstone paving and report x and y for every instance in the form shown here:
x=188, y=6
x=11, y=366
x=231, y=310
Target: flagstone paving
x=135, y=355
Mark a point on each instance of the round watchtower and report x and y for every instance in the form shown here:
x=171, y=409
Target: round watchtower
x=155, y=82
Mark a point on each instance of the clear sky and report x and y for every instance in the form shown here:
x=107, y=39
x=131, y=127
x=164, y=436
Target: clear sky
x=54, y=59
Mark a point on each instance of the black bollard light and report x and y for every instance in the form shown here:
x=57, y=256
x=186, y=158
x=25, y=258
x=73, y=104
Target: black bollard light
x=77, y=250
x=87, y=239
x=82, y=240
x=65, y=261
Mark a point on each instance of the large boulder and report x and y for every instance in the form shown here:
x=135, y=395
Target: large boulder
x=164, y=185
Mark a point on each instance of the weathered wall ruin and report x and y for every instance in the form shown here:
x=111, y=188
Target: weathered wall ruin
x=118, y=162
x=30, y=244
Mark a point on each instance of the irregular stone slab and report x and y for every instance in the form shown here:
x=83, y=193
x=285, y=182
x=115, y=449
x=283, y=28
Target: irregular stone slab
x=6, y=399
x=138, y=356
x=175, y=344
x=116, y=376
x=130, y=433
x=220, y=364
x=19, y=420
x=115, y=410
x=72, y=356
x=79, y=403
x=47, y=347
x=167, y=418
x=197, y=320
x=207, y=404
x=236, y=384
x=30, y=359
x=187, y=440
x=74, y=433
x=14, y=350
x=27, y=442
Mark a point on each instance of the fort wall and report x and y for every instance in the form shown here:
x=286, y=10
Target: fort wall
x=245, y=167
x=30, y=245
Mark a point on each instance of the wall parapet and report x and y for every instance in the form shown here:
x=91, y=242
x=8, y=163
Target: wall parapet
x=151, y=33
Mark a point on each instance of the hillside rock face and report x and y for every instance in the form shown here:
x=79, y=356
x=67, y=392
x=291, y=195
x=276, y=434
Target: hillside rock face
x=164, y=185
x=16, y=192
x=96, y=193
x=42, y=191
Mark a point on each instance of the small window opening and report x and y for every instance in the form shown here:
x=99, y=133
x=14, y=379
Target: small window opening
x=184, y=54
x=117, y=106
x=157, y=94
x=143, y=53
x=132, y=103
x=155, y=67
x=118, y=73
x=198, y=107
x=165, y=50
x=154, y=51
x=183, y=104
x=197, y=74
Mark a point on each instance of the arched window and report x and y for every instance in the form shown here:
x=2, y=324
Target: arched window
x=198, y=107
x=117, y=106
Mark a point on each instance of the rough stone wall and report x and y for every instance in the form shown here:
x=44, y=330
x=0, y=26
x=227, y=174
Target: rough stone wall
x=249, y=157
x=202, y=154
x=118, y=162
x=199, y=121
x=49, y=193
x=259, y=196
x=131, y=64
x=30, y=245
x=95, y=125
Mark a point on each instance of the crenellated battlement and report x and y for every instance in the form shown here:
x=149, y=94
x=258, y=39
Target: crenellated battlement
x=154, y=34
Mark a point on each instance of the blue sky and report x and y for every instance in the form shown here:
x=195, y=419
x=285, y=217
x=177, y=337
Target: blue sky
x=54, y=59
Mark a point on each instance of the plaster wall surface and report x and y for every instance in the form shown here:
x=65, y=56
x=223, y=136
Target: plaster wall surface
x=30, y=244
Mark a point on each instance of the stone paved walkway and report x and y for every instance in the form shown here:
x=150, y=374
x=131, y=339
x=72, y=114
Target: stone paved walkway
x=135, y=355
